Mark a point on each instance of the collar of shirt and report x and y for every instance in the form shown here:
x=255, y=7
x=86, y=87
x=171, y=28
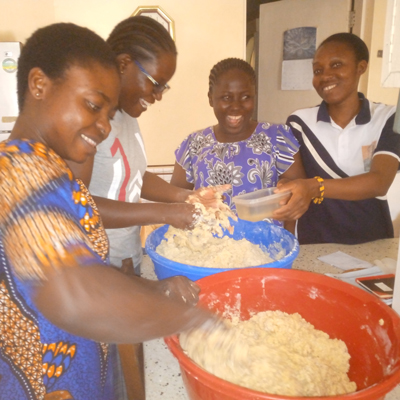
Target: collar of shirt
x=363, y=117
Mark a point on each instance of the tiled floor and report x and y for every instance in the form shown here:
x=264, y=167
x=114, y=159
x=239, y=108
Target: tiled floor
x=162, y=375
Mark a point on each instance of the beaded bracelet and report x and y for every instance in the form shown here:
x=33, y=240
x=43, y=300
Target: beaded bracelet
x=318, y=200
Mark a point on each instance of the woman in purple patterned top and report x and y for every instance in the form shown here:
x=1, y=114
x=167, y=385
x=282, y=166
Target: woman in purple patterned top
x=247, y=154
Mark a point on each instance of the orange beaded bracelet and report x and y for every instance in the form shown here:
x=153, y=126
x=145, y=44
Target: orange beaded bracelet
x=319, y=200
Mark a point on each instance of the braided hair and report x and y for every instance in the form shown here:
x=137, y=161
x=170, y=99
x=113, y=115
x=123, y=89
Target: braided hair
x=226, y=65
x=142, y=38
x=356, y=44
x=55, y=48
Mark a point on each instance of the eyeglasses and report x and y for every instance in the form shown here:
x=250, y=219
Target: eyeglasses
x=157, y=87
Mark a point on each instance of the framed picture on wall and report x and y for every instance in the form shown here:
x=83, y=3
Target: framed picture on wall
x=159, y=15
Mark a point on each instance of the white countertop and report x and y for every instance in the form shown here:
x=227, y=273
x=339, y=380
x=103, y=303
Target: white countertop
x=162, y=373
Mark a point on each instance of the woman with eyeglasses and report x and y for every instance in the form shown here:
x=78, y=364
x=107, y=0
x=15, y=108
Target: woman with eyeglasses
x=117, y=176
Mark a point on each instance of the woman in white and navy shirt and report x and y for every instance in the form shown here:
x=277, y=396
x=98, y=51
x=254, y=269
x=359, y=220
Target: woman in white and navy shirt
x=349, y=150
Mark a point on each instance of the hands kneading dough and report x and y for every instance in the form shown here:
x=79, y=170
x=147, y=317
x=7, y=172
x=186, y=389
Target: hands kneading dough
x=273, y=352
x=203, y=246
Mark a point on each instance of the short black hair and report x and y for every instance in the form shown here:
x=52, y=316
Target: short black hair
x=226, y=65
x=356, y=44
x=55, y=48
x=142, y=38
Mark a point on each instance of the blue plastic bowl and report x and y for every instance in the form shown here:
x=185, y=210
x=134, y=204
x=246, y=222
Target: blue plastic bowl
x=268, y=236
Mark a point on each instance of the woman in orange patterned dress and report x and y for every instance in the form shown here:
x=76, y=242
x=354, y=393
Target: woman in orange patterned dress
x=60, y=301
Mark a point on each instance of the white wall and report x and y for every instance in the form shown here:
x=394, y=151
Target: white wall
x=394, y=204
x=375, y=90
x=275, y=104
x=18, y=19
x=206, y=32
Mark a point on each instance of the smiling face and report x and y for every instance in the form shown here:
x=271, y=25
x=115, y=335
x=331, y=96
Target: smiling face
x=337, y=73
x=137, y=91
x=233, y=100
x=75, y=111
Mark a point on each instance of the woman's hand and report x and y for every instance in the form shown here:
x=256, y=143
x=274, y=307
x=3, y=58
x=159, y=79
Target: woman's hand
x=181, y=215
x=212, y=199
x=210, y=196
x=180, y=288
x=303, y=191
x=187, y=215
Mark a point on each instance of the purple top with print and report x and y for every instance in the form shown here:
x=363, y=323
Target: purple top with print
x=248, y=165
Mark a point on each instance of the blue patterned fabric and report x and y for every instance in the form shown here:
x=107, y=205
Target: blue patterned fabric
x=249, y=165
x=47, y=220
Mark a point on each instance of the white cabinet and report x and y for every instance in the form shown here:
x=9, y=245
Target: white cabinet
x=393, y=197
x=391, y=50
x=9, y=54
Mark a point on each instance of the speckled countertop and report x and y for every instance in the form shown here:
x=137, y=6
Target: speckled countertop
x=162, y=374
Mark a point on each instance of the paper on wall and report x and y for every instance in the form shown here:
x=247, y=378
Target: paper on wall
x=297, y=75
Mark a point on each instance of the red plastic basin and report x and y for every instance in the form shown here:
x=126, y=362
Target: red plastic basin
x=370, y=329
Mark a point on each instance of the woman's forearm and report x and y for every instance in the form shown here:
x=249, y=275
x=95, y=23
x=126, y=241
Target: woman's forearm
x=102, y=304
x=157, y=189
x=374, y=183
x=119, y=214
